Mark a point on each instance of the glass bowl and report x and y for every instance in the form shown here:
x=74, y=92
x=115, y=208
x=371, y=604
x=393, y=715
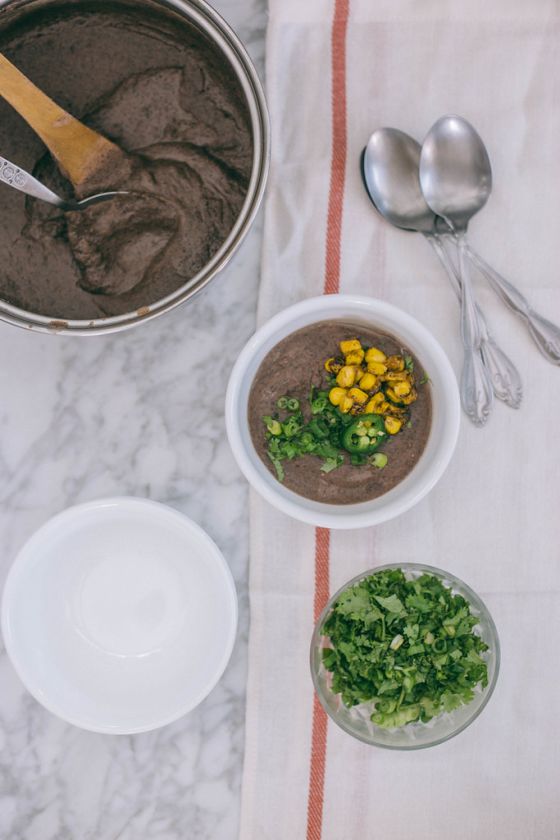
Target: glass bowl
x=413, y=736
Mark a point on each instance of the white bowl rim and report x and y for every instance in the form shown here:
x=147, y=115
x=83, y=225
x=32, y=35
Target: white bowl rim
x=322, y=515
x=72, y=512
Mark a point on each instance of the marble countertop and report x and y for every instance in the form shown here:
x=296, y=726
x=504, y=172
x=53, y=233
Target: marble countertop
x=116, y=415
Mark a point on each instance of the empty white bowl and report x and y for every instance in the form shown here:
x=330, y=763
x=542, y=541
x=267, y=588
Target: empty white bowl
x=119, y=615
x=445, y=410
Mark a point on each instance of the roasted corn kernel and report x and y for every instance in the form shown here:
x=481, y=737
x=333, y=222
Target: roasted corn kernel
x=391, y=393
x=401, y=389
x=358, y=395
x=373, y=406
x=356, y=357
x=336, y=395
x=346, y=404
x=368, y=382
x=333, y=365
x=402, y=399
x=349, y=346
x=378, y=368
x=395, y=363
x=346, y=376
x=392, y=425
x=375, y=355
x=410, y=398
x=395, y=410
x=397, y=376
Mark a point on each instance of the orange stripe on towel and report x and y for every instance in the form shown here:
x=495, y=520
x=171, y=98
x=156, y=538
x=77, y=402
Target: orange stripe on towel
x=319, y=732
x=332, y=284
x=339, y=147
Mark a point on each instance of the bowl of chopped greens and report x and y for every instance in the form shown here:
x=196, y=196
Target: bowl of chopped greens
x=405, y=656
x=342, y=411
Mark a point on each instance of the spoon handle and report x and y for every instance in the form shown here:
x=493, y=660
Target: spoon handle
x=476, y=388
x=505, y=378
x=545, y=334
x=21, y=180
x=76, y=148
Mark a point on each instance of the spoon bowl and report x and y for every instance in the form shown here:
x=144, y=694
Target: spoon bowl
x=455, y=171
x=390, y=169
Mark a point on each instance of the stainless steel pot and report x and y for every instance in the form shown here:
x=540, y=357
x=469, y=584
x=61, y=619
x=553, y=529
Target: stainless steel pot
x=209, y=22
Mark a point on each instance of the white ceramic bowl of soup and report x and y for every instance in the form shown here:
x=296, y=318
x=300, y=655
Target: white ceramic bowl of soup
x=370, y=313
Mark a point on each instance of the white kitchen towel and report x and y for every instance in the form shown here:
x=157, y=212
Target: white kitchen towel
x=336, y=70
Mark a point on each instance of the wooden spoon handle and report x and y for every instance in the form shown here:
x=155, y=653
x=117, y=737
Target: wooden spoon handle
x=77, y=149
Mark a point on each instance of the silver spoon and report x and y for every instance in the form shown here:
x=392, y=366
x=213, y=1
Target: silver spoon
x=390, y=172
x=21, y=180
x=456, y=179
x=459, y=184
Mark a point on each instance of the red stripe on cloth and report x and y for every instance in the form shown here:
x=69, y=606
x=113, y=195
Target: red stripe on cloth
x=322, y=546
x=339, y=147
x=317, y=772
x=319, y=730
x=332, y=284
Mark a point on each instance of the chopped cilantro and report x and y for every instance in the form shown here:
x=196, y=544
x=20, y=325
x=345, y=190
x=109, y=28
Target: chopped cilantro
x=405, y=646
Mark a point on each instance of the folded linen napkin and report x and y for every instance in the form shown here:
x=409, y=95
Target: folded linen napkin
x=336, y=70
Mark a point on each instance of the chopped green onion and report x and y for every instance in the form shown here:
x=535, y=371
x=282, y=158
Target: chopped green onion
x=273, y=426
x=379, y=460
x=397, y=642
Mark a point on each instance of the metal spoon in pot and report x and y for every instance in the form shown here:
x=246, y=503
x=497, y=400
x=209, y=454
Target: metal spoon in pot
x=390, y=172
x=456, y=179
x=19, y=179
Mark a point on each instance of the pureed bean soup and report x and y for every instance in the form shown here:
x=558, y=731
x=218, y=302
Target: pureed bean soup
x=331, y=440
x=154, y=84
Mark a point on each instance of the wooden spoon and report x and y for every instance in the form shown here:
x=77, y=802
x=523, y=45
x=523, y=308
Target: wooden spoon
x=86, y=158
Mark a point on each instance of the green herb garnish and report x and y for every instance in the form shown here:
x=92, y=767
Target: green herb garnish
x=291, y=436
x=406, y=646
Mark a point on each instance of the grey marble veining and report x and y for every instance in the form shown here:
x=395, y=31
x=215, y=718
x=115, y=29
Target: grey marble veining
x=138, y=413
